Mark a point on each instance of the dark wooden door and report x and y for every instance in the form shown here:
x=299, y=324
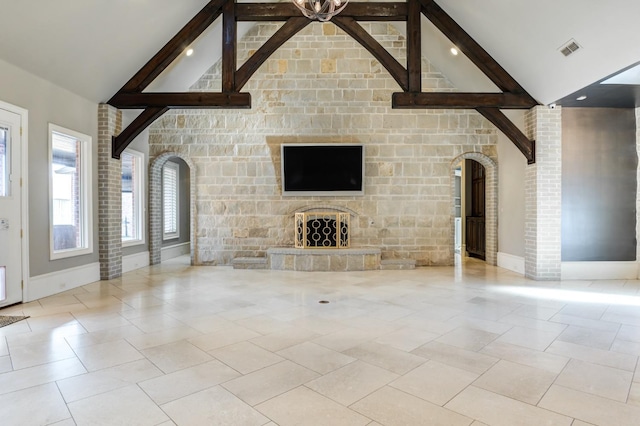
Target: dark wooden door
x=476, y=222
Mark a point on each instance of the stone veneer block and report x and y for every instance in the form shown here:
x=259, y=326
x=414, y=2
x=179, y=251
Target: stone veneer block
x=321, y=263
x=371, y=261
x=338, y=263
x=250, y=263
x=303, y=263
x=355, y=263
x=397, y=264
x=361, y=259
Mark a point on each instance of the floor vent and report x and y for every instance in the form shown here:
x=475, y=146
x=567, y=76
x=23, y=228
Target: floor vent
x=570, y=47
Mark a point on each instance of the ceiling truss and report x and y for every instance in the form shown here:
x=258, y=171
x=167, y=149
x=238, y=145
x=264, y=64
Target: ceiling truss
x=154, y=105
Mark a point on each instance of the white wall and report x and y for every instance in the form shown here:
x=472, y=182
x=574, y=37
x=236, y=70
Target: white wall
x=511, y=209
x=48, y=103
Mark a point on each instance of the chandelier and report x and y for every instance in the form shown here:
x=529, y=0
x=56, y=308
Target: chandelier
x=320, y=10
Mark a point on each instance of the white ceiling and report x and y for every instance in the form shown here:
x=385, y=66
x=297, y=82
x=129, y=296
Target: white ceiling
x=92, y=47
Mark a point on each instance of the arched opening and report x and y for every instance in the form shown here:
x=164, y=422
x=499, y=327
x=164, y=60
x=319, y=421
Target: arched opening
x=474, y=217
x=163, y=168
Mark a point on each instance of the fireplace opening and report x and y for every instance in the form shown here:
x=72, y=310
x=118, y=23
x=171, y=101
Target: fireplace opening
x=322, y=230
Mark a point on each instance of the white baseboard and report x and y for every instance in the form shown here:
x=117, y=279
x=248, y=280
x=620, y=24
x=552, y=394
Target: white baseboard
x=599, y=270
x=511, y=262
x=135, y=261
x=175, y=251
x=59, y=281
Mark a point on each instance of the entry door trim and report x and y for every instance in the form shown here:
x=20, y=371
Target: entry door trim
x=24, y=189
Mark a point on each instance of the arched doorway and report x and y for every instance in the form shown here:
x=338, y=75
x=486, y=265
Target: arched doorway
x=156, y=229
x=484, y=173
x=475, y=188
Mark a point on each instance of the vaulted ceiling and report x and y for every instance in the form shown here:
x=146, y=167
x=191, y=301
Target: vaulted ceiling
x=92, y=47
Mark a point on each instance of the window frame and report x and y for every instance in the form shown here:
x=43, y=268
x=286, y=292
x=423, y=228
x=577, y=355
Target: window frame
x=5, y=171
x=138, y=185
x=85, y=193
x=172, y=235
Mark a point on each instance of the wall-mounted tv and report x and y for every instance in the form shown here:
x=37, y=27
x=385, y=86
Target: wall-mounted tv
x=322, y=169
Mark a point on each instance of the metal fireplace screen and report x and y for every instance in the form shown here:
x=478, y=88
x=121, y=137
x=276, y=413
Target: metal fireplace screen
x=322, y=230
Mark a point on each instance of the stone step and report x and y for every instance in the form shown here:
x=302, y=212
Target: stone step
x=249, y=263
x=397, y=264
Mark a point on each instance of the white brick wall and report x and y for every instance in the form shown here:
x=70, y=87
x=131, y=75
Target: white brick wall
x=321, y=86
x=543, y=195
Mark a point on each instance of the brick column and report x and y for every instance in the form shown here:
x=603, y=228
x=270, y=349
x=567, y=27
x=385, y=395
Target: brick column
x=109, y=195
x=543, y=195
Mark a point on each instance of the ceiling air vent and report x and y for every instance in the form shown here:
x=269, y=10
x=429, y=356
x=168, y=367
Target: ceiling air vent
x=569, y=47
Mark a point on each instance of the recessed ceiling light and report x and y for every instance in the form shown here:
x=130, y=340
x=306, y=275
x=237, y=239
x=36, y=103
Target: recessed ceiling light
x=581, y=98
x=189, y=52
x=454, y=51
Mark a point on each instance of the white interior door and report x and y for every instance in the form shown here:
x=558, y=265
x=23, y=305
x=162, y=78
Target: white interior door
x=10, y=209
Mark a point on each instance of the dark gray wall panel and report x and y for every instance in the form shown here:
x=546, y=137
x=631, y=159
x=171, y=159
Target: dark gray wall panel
x=599, y=168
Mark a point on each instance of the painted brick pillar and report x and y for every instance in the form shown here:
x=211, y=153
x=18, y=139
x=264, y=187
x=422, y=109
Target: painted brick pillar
x=543, y=195
x=155, y=209
x=109, y=195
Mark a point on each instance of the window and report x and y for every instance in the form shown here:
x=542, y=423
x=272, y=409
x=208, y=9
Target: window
x=132, y=198
x=70, y=193
x=4, y=162
x=170, y=174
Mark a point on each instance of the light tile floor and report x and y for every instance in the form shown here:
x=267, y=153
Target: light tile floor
x=467, y=345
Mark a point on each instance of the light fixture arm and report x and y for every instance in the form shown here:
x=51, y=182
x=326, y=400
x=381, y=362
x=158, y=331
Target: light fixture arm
x=320, y=10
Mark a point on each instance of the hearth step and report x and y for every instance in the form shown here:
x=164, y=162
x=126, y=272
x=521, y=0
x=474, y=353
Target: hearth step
x=249, y=263
x=397, y=264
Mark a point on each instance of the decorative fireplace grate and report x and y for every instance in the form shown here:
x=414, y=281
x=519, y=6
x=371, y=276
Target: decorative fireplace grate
x=322, y=230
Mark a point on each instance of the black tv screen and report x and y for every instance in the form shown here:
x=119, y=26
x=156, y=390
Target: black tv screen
x=322, y=170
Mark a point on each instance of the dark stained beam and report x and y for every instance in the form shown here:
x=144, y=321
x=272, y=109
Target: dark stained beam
x=203, y=100
x=284, y=33
x=414, y=46
x=457, y=100
x=506, y=126
x=174, y=47
x=229, y=43
x=144, y=120
x=373, y=11
x=359, y=34
x=470, y=48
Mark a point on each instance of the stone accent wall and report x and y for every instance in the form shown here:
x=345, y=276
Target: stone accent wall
x=322, y=86
x=109, y=195
x=543, y=195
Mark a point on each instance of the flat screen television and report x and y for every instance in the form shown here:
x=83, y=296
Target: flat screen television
x=322, y=169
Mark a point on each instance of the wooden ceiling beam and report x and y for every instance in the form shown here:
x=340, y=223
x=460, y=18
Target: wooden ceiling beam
x=458, y=100
x=370, y=11
x=510, y=130
x=359, y=34
x=174, y=47
x=205, y=100
x=131, y=96
x=414, y=46
x=144, y=120
x=291, y=27
x=229, y=43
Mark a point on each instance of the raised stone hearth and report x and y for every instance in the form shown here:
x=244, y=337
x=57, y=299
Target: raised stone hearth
x=352, y=259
